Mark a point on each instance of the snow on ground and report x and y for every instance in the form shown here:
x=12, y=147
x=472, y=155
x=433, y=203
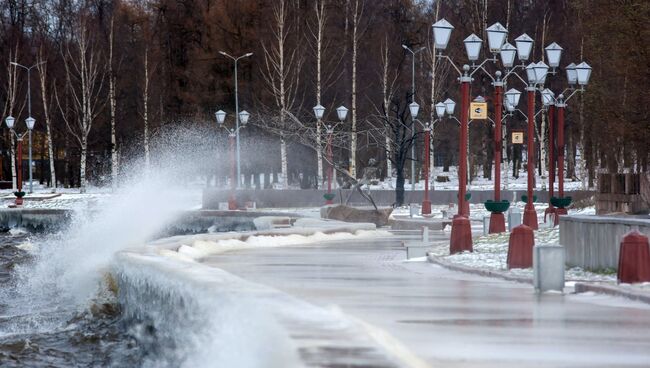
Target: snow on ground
x=491, y=251
x=479, y=183
x=94, y=198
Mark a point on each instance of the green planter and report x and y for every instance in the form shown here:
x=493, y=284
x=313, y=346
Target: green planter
x=524, y=198
x=329, y=196
x=468, y=196
x=19, y=194
x=497, y=207
x=561, y=202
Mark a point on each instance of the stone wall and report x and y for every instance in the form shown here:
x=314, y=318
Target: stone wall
x=593, y=242
x=269, y=198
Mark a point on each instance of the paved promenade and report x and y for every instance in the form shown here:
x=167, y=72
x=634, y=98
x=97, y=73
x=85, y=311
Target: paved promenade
x=434, y=317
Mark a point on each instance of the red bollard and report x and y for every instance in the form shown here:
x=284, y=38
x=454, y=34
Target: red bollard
x=461, y=235
x=634, y=258
x=520, y=247
x=497, y=223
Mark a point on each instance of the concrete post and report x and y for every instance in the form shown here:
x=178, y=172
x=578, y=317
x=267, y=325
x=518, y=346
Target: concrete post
x=548, y=267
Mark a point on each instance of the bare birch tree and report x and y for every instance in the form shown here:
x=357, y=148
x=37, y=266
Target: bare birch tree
x=113, y=105
x=282, y=73
x=387, y=91
x=541, y=133
x=356, y=35
x=85, y=76
x=145, y=112
x=10, y=104
x=46, y=99
x=321, y=19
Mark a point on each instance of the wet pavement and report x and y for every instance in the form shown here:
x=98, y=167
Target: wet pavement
x=423, y=313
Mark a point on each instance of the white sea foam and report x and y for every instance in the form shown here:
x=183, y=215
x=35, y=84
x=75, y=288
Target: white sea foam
x=203, y=317
x=190, y=248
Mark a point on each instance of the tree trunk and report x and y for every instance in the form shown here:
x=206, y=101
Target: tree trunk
x=113, y=108
x=145, y=116
x=353, y=134
x=48, y=122
x=82, y=165
x=399, y=187
x=283, y=157
x=14, y=181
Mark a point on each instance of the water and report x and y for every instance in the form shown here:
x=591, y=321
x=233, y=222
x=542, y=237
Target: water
x=59, y=305
x=91, y=338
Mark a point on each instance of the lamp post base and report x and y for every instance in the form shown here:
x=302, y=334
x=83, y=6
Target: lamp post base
x=19, y=202
x=232, y=203
x=530, y=216
x=461, y=235
x=497, y=223
x=329, y=201
x=520, y=247
x=426, y=207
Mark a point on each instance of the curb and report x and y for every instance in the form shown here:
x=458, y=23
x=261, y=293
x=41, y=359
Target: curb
x=581, y=287
x=486, y=273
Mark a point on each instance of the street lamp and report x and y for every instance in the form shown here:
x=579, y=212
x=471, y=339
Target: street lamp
x=441, y=33
x=232, y=135
x=524, y=46
x=29, y=122
x=450, y=106
x=29, y=112
x=575, y=74
x=440, y=108
x=496, y=37
x=473, y=47
x=508, y=53
x=571, y=74
x=413, y=98
x=583, y=72
x=235, y=60
x=553, y=54
x=342, y=114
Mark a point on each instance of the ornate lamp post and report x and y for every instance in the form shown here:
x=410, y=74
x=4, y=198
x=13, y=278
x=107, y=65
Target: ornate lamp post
x=575, y=74
x=342, y=113
x=497, y=34
x=233, y=133
x=414, y=108
x=29, y=122
x=237, y=115
x=413, y=98
x=29, y=112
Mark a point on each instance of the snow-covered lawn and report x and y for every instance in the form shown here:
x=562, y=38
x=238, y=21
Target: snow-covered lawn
x=479, y=183
x=491, y=253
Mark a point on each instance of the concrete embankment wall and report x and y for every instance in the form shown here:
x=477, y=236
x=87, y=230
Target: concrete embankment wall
x=269, y=198
x=593, y=242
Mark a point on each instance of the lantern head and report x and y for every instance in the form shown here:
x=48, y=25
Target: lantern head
x=473, y=47
x=342, y=112
x=508, y=53
x=441, y=33
x=319, y=110
x=496, y=37
x=221, y=116
x=524, y=46
x=440, y=109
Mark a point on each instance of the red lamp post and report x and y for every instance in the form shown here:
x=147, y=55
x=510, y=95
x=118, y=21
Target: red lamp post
x=10, y=121
x=579, y=74
x=232, y=137
x=342, y=113
x=497, y=219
